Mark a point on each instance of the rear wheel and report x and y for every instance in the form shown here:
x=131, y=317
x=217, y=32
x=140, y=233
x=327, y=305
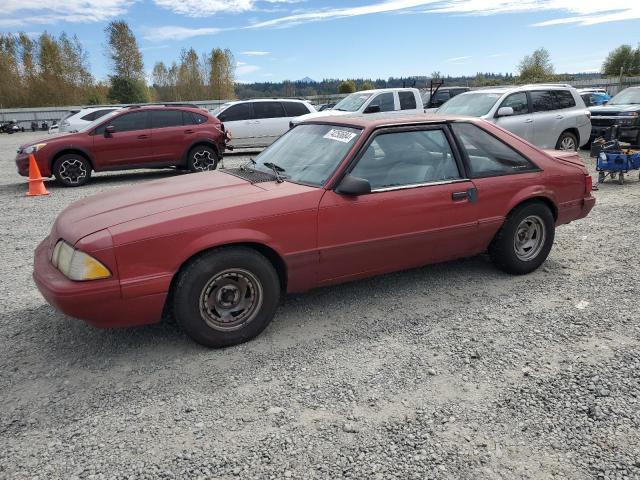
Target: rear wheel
x=72, y=170
x=525, y=240
x=567, y=141
x=226, y=296
x=202, y=158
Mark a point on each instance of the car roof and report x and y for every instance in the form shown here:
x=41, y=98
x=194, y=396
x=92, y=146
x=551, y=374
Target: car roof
x=235, y=102
x=376, y=120
x=381, y=90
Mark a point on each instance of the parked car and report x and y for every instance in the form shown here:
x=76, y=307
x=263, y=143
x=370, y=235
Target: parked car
x=593, y=97
x=332, y=200
x=11, y=127
x=52, y=129
x=622, y=110
x=546, y=115
x=135, y=137
x=441, y=96
x=258, y=123
x=325, y=106
x=75, y=120
x=391, y=101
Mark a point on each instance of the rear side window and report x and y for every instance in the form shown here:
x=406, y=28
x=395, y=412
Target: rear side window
x=385, y=101
x=237, y=112
x=542, y=100
x=517, y=101
x=295, y=109
x=407, y=100
x=488, y=156
x=190, y=118
x=97, y=114
x=564, y=99
x=166, y=118
x=268, y=110
x=127, y=122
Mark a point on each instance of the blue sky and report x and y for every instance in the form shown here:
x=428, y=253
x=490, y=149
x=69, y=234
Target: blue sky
x=275, y=40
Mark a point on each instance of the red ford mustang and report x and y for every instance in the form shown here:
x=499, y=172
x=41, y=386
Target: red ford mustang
x=332, y=200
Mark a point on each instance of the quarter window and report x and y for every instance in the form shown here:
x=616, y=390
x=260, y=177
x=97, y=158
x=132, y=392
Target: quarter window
x=407, y=158
x=564, y=99
x=190, y=118
x=166, y=118
x=268, y=110
x=385, y=101
x=295, y=109
x=542, y=100
x=237, y=112
x=517, y=101
x=407, y=100
x=127, y=122
x=487, y=155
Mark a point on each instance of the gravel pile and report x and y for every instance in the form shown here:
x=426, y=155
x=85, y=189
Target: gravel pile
x=453, y=371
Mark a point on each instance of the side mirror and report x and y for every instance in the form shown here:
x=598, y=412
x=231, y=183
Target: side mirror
x=351, y=185
x=372, y=109
x=504, y=112
x=109, y=130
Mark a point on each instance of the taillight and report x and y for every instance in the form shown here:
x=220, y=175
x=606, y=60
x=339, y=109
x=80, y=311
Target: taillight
x=588, y=184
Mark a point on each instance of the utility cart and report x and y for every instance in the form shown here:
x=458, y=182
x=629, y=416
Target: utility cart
x=614, y=162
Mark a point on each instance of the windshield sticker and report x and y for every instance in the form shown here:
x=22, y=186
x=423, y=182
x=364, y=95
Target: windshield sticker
x=340, y=135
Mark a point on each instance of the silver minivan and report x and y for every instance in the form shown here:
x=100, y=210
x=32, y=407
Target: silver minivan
x=546, y=115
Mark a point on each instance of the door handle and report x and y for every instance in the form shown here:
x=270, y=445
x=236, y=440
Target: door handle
x=142, y=137
x=470, y=194
x=459, y=195
x=188, y=131
x=529, y=120
x=559, y=117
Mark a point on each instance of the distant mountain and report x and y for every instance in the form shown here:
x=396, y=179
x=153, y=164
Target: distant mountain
x=307, y=80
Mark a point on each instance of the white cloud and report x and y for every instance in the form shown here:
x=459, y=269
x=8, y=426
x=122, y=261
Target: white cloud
x=246, y=69
x=170, y=32
x=17, y=13
x=197, y=8
x=255, y=53
x=457, y=59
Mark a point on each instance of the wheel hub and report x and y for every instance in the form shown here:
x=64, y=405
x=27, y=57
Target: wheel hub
x=203, y=160
x=529, y=238
x=72, y=170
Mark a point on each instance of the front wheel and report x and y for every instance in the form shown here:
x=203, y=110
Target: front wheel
x=524, y=241
x=226, y=296
x=202, y=158
x=567, y=141
x=72, y=170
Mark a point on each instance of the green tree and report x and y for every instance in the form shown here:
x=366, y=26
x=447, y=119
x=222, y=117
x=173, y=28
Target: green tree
x=190, y=83
x=347, y=86
x=624, y=57
x=123, y=51
x=127, y=90
x=536, y=67
x=367, y=85
x=222, y=74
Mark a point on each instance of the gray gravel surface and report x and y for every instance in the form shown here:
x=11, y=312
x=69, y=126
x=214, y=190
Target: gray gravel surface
x=453, y=371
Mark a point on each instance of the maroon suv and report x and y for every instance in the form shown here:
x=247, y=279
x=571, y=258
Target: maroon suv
x=133, y=137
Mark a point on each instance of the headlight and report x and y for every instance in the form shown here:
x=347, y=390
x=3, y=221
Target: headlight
x=34, y=148
x=77, y=265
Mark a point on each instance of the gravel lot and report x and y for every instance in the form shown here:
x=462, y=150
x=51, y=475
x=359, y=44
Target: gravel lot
x=450, y=371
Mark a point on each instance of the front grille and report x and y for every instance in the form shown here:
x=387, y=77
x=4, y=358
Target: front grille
x=602, y=122
x=250, y=175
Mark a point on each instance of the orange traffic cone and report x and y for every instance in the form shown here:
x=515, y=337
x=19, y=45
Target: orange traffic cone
x=36, y=183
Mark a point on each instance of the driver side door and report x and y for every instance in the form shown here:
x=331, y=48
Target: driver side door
x=129, y=145
x=419, y=209
x=521, y=122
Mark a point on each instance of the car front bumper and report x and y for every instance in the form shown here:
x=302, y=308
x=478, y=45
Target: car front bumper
x=626, y=134
x=97, y=302
x=22, y=165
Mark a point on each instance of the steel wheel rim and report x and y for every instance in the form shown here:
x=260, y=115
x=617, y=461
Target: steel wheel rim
x=204, y=160
x=231, y=299
x=567, y=143
x=73, y=170
x=529, y=238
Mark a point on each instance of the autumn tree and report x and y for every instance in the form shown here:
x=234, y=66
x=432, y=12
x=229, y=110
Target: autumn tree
x=366, y=85
x=190, y=82
x=221, y=74
x=536, y=67
x=625, y=58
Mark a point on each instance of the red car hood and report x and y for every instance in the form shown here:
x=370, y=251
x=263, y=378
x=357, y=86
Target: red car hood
x=125, y=204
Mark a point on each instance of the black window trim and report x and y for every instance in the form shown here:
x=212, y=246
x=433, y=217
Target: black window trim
x=467, y=163
x=124, y=112
x=250, y=103
x=150, y=119
x=399, y=129
x=529, y=105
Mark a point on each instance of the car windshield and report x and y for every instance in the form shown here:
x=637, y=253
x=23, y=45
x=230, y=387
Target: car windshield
x=470, y=104
x=353, y=102
x=308, y=153
x=219, y=109
x=98, y=121
x=630, y=96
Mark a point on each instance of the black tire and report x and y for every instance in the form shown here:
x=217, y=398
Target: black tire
x=601, y=176
x=621, y=178
x=504, y=250
x=202, y=158
x=212, y=282
x=72, y=170
x=567, y=141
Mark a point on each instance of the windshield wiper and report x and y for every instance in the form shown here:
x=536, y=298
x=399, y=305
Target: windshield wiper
x=245, y=165
x=277, y=170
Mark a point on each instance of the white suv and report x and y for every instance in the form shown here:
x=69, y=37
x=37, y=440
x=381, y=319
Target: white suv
x=74, y=120
x=258, y=123
x=546, y=115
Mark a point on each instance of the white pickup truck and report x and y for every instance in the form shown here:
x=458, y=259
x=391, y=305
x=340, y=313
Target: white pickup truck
x=391, y=100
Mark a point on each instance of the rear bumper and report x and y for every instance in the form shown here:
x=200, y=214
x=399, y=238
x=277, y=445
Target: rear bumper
x=98, y=302
x=587, y=205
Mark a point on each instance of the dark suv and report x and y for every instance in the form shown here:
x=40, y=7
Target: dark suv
x=622, y=110
x=133, y=137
